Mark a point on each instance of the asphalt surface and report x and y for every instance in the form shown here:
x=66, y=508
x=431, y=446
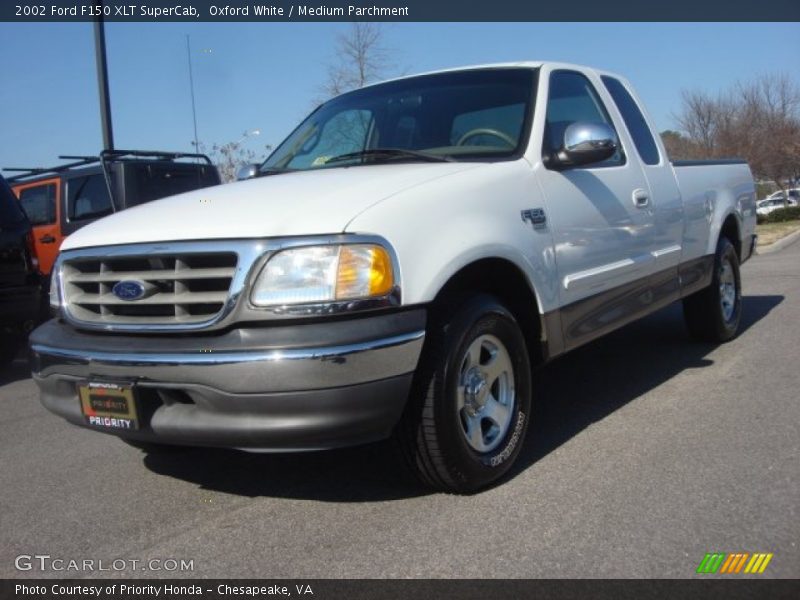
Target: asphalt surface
x=646, y=452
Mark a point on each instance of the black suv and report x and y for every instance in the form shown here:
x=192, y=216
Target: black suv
x=20, y=287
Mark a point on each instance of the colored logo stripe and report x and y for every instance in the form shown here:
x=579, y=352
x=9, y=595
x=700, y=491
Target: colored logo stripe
x=723, y=562
x=758, y=563
x=734, y=562
x=711, y=563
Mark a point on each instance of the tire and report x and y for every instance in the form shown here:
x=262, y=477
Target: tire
x=468, y=413
x=713, y=314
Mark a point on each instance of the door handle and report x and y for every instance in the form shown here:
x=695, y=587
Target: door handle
x=640, y=198
x=47, y=239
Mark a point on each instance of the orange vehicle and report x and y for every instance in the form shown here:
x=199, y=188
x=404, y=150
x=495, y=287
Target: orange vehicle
x=42, y=202
x=62, y=199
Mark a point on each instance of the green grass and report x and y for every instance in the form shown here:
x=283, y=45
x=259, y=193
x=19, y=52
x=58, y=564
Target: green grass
x=769, y=233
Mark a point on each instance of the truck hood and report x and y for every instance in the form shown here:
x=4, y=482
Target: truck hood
x=289, y=204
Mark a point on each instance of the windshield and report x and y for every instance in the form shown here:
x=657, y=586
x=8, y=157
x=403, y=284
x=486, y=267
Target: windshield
x=462, y=115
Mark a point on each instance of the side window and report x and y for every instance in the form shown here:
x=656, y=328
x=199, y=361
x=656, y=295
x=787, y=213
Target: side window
x=572, y=98
x=634, y=121
x=87, y=197
x=39, y=203
x=345, y=132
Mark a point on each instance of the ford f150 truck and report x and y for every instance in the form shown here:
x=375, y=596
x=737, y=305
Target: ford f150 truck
x=396, y=267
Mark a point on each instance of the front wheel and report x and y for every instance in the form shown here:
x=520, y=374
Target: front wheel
x=713, y=314
x=469, y=410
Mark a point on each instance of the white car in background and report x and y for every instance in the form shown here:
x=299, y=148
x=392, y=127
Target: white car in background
x=794, y=195
x=776, y=201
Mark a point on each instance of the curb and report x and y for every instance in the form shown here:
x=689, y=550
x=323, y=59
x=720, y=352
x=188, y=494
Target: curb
x=780, y=244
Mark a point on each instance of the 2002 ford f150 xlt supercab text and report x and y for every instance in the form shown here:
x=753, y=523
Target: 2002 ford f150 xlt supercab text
x=396, y=267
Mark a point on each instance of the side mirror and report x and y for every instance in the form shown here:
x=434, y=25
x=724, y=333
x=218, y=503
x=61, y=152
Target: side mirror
x=246, y=172
x=586, y=143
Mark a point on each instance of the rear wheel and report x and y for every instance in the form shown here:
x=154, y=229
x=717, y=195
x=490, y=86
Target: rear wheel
x=469, y=410
x=713, y=314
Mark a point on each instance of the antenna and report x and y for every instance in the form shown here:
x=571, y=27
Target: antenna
x=102, y=80
x=191, y=89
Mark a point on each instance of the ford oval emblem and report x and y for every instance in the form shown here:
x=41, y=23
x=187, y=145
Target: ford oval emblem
x=128, y=289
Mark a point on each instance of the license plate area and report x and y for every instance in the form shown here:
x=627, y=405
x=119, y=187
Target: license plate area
x=108, y=405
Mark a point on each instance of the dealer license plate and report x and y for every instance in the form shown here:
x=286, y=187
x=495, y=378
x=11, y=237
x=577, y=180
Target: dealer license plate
x=108, y=405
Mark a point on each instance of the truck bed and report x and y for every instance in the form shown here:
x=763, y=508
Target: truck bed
x=704, y=184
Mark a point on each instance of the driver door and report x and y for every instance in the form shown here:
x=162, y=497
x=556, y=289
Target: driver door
x=601, y=217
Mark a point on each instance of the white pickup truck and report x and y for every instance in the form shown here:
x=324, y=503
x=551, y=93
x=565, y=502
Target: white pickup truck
x=397, y=267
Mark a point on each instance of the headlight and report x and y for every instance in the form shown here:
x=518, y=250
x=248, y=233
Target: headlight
x=315, y=274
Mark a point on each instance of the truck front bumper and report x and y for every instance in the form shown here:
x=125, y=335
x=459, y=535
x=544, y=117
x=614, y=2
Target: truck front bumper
x=285, y=387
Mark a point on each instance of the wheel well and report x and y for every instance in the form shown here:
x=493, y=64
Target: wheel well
x=730, y=230
x=504, y=280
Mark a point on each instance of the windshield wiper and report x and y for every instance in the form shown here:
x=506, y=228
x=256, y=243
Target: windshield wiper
x=390, y=153
x=274, y=171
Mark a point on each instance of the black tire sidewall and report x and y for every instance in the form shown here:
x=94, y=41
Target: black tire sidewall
x=727, y=328
x=482, y=315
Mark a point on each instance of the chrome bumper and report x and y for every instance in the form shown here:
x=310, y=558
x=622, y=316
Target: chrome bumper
x=245, y=372
x=247, y=388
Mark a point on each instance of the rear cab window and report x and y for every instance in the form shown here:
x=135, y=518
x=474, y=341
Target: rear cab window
x=634, y=120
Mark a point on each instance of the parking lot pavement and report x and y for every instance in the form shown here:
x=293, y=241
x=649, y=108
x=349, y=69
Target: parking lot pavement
x=646, y=452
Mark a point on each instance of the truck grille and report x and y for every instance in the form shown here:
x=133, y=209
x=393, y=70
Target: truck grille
x=174, y=289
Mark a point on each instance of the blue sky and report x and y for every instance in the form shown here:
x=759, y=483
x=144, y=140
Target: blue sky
x=266, y=75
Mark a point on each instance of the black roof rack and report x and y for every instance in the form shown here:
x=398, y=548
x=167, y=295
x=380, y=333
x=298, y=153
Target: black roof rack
x=106, y=156
x=123, y=154
x=28, y=173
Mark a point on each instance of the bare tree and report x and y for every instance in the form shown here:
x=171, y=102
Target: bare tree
x=679, y=146
x=758, y=120
x=230, y=156
x=699, y=120
x=771, y=108
x=361, y=58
